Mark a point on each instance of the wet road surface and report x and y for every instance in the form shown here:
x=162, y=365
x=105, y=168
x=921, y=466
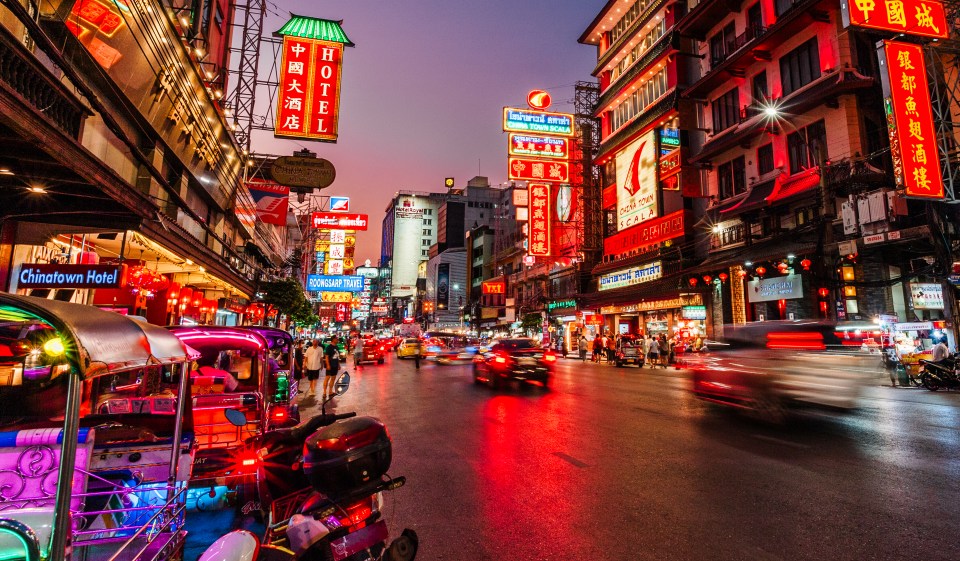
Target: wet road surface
x=623, y=463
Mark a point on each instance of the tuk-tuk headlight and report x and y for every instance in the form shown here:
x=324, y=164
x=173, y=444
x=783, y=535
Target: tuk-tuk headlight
x=54, y=347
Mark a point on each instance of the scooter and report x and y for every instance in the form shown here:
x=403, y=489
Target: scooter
x=937, y=375
x=336, y=484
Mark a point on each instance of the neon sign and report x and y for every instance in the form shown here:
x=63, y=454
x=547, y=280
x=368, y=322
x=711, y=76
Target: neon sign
x=925, y=18
x=542, y=122
x=525, y=169
x=538, y=230
x=539, y=146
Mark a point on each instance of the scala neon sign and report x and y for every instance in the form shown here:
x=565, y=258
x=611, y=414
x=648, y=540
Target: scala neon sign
x=538, y=122
x=925, y=18
x=539, y=146
x=538, y=99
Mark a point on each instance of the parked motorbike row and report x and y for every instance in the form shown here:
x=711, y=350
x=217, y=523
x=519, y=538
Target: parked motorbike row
x=110, y=427
x=944, y=374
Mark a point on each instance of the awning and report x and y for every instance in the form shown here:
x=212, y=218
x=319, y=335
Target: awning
x=756, y=197
x=761, y=251
x=794, y=185
x=666, y=287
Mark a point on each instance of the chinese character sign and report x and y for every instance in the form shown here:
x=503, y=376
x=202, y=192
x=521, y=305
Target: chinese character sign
x=925, y=18
x=538, y=229
x=308, y=98
x=912, y=136
x=538, y=170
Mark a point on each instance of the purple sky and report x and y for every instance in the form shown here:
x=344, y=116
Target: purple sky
x=423, y=90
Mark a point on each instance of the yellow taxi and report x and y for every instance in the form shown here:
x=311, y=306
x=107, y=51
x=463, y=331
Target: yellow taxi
x=408, y=348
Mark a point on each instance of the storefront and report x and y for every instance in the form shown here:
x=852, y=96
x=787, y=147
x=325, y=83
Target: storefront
x=683, y=315
x=565, y=322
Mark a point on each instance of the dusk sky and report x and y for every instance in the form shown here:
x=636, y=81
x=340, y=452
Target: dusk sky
x=424, y=88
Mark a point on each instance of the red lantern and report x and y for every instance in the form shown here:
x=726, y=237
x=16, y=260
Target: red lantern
x=186, y=294
x=722, y=277
x=742, y=273
x=707, y=279
x=761, y=270
x=823, y=292
x=693, y=281
x=805, y=264
x=782, y=267
x=173, y=293
x=197, y=299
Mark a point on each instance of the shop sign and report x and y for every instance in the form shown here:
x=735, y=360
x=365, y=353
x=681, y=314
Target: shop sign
x=334, y=267
x=636, y=168
x=648, y=233
x=338, y=236
x=650, y=305
x=308, y=95
x=538, y=229
x=338, y=251
x=926, y=296
x=561, y=305
x=379, y=309
x=594, y=320
x=368, y=272
x=520, y=197
x=339, y=204
x=848, y=248
x=925, y=18
x=538, y=99
x=234, y=305
x=494, y=287
x=542, y=122
x=528, y=169
x=632, y=276
x=564, y=202
x=693, y=312
x=789, y=287
x=339, y=221
x=523, y=214
x=875, y=238
x=669, y=138
x=539, y=146
x=349, y=283
x=914, y=326
x=71, y=276
x=336, y=297
x=669, y=164
x=913, y=140
x=271, y=200
x=341, y=312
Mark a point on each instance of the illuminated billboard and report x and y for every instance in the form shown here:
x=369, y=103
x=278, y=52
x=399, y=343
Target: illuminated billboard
x=339, y=221
x=320, y=283
x=537, y=122
x=494, y=287
x=524, y=169
x=539, y=146
x=913, y=140
x=308, y=93
x=637, y=182
x=925, y=18
x=538, y=229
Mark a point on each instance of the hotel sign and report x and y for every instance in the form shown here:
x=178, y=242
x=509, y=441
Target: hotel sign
x=925, y=18
x=913, y=139
x=71, y=276
x=308, y=95
x=632, y=276
x=537, y=122
x=539, y=146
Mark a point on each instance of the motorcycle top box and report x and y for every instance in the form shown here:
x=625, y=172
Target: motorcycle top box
x=347, y=454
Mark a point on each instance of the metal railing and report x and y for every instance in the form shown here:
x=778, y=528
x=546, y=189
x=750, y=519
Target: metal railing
x=728, y=48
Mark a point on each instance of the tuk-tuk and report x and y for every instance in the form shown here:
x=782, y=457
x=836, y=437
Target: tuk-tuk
x=95, y=439
x=235, y=370
x=283, y=408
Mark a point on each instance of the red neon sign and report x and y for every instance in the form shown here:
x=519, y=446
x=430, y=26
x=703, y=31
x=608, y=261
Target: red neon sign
x=538, y=99
x=494, y=287
x=539, y=146
x=538, y=229
x=913, y=140
x=308, y=103
x=339, y=221
x=646, y=233
x=925, y=18
x=525, y=169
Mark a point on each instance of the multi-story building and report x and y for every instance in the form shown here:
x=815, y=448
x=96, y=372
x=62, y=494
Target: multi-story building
x=484, y=309
x=652, y=196
x=116, y=150
x=446, y=289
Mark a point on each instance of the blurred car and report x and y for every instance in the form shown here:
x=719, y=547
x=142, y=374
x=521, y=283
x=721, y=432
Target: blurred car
x=514, y=359
x=373, y=351
x=408, y=348
x=630, y=352
x=777, y=368
x=388, y=343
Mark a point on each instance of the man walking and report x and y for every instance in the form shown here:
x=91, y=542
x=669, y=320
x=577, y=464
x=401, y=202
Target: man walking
x=582, y=347
x=332, y=363
x=313, y=363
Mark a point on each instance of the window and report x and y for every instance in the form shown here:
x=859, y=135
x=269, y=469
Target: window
x=755, y=18
x=425, y=242
x=732, y=178
x=646, y=94
x=760, y=91
x=726, y=110
x=806, y=146
x=783, y=6
x=722, y=44
x=423, y=253
x=800, y=66
x=630, y=16
x=765, y=159
x=648, y=40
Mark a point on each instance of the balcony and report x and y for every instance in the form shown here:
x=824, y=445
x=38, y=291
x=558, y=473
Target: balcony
x=757, y=41
x=704, y=16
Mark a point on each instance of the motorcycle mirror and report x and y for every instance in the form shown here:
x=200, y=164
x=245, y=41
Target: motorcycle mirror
x=342, y=384
x=236, y=418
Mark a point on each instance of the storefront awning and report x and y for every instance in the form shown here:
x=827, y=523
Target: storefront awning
x=755, y=198
x=665, y=288
x=795, y=185
x=761, y=251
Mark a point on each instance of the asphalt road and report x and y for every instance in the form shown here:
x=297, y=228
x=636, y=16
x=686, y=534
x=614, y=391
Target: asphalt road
x=625, y=464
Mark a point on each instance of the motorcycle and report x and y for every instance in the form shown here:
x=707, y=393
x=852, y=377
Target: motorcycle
x=321, y=485
x=943, y=374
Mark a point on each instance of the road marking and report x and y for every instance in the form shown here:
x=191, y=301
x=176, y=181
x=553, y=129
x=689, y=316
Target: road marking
x=780, y=441
x=570, y=459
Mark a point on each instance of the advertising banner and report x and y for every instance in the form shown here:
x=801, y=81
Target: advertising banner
x=526, y=169
x=913, y=140
x=564, y=203
x=925, y=18
x=637, y=182
x=538, y=231
x=443, y=286
x=649, y=233
x=319, y=283
x=537, y=122
x=926, y=296
x=339, y=221
x=494, y=287
x=336, y=297
x=789, y=287
x=71, y=276
x=539, y=146
x=632, y=276
x=272, y=200
x=308, y=96
x=339, y=204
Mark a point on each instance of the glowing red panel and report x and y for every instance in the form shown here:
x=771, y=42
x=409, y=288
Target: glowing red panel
x=925, y=18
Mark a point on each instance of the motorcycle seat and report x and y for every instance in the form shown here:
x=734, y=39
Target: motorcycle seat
x=314, y=502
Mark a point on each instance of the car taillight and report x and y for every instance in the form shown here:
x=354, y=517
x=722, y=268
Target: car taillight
x=358, y=512
x=549, y=357
x=500, y=360
x=381, y=348
x=248, y=458
x=280, y=414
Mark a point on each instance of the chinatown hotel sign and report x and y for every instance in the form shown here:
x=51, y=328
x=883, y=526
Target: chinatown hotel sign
x=308, y=95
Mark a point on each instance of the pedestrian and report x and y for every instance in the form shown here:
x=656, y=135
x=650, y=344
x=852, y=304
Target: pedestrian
x=298, y=360
x=664, y=349
x=357, y=351
x=582, y=347
x=416, y=354
x=611, y=349
x=597, y=348
x=332, y=363
x=313, y=363
x=653, y=352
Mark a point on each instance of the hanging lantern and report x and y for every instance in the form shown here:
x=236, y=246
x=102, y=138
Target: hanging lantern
x=197, y=299
x=693, y=281
x=782, y=267
x=173, y=293
x=722, y=277
x=186, y=294
x=742, y=273
x=823, y=292
x=761, y=270
x=707, y=279
x=805, y=264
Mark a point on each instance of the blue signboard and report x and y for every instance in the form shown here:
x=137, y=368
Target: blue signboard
x=525, y=120
x=334, y=283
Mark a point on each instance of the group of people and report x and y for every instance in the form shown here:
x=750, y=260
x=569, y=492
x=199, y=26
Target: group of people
x=309, y=362
x=658, y=350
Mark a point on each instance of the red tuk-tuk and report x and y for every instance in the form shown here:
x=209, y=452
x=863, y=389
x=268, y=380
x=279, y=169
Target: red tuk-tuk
x=95, y=435
x=235, y=370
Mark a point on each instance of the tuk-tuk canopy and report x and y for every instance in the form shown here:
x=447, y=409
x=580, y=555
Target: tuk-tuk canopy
x=97, y=342
x=275, y=337
x=206, y=338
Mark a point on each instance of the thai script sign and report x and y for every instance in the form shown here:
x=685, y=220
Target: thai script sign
x=650, y=305
x=539, y=146
x=631, y=276
x=543, y=122
x=926, y=296
x=339, y=221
